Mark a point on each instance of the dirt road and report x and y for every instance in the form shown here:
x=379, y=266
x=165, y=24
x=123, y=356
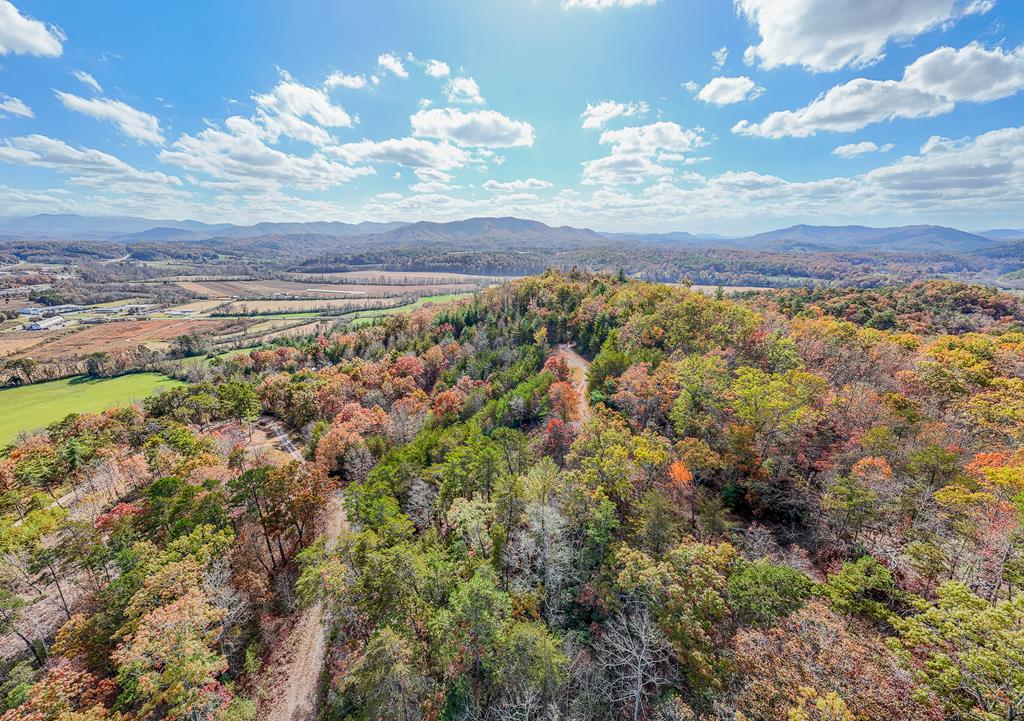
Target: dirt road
x=578, y=368
x=295, y=669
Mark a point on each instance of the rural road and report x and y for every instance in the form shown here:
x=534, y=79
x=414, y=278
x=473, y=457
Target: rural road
x=298, y=671
x=578, y=368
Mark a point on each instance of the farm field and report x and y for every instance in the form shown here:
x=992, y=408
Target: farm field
x=727, y=289
x=313, y=305
x=325, y=289
x=109, y=337
x=399, y=277
x=197, y=306
x=364, y=317
x=34, y=406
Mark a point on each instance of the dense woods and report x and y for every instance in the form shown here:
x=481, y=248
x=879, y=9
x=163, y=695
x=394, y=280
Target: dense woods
x=802, y=505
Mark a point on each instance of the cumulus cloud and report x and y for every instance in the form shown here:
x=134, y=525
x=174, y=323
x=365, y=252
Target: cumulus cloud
x=853, y=150
x=410, y=152
x=432, y=180
x=973, y=177
x=720, y=56
x=338, y=79
x=484, y=128
x=849, y=107
x=25, y=36
x=463, y=90
x=300, y=112
x=437, y=68
x=726, y=91
x=931, y=85
x=14, y=106
x=516, y=186
x=972, y=73
x=605, y=4
x=596, y=116
x=392, y=64
x=640, y=153
x=239, y=152
x=133, y=123
x=647, y=139
x=87, y=79
x=985, y=169
x=40, y=151
x=827, y=35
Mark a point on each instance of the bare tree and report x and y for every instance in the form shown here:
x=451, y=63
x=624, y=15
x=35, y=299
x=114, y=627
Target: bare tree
x=222, y=592
x=540, y=556
x=420, y=505
x=635, y=657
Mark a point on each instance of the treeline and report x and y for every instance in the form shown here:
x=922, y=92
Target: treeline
x=923, y=306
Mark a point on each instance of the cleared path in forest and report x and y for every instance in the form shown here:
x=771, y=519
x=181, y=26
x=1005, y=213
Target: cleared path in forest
x=578, y=369
x=297, y=665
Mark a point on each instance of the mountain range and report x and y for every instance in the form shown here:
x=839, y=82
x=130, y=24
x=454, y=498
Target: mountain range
x=512, y=231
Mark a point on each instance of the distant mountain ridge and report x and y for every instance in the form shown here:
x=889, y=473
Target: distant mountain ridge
x=860, y=238
x=131, y=229
x=516, y=232
x=1002, y=234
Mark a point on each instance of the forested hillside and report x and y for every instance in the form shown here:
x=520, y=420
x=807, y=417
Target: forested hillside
x=798, y=506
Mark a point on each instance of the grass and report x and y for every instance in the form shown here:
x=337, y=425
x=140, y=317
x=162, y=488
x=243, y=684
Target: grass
x=444, y=298
x=35, y=406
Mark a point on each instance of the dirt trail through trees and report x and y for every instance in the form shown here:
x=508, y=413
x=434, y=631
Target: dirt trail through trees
x=579, y=366
x=297, y=666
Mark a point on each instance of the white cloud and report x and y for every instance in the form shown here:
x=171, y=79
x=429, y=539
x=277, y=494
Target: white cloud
x=285, y=109
x=437, y=68
x=25, y=36
x=641, y=153
x=720, y=56
x=985, y=169
x=485, y=128
x=463, y=90
x=726, y=91
x=40, y=151
x=340, y=79
x=849, y=107
x=605, y=4
x=647, y=139
x=596, y=116
x=87, y=79
x=240, y=153
x=393, y=64
x=690, y=86
x=432, y=180
x=972, y=73
x=14, y=106
x=853, y=150
x=133, y=123
x=516, y=186
x=826, y=35
x=931, y=85
x=968, y=179
x=410, y=152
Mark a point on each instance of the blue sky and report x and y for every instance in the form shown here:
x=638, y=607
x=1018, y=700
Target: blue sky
x=699, y=115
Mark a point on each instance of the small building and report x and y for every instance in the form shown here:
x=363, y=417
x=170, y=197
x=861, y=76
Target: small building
x=51, y=323
x=46, y=310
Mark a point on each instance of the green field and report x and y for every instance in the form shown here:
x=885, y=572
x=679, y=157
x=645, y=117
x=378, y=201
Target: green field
x=34, y=406
x=363, y=317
